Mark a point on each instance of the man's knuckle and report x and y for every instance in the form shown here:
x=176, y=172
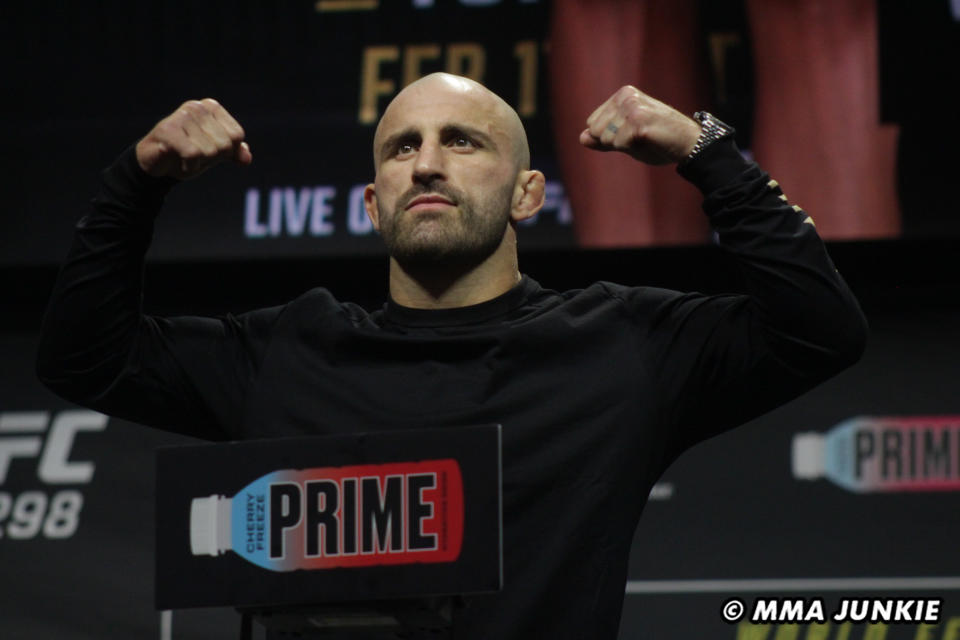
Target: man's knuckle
x=194, y=108
x=191, y=151
x=167, y=128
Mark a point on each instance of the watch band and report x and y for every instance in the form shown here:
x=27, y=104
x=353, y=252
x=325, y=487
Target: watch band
x=711, y=130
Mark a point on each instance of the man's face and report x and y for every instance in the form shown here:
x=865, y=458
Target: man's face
x=446, y=172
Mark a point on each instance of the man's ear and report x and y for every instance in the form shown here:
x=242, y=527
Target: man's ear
x=370, y=204
x=527, y=195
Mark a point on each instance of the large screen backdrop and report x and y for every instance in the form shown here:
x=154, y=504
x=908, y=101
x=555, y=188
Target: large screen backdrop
x=823, y=94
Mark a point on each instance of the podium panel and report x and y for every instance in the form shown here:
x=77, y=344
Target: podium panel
x=334, y=519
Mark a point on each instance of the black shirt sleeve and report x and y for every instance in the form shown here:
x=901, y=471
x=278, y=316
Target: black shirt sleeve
x=722, y=360
x=98, y=348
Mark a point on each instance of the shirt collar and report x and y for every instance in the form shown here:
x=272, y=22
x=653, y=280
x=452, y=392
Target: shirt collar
x=473, y=314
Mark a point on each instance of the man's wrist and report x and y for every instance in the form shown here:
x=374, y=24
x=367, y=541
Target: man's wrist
x=711, y=130
x=126, y=183
x=719, y=165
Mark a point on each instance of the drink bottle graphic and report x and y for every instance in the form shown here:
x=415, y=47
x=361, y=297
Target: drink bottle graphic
x=327, y=517
x=887, y=453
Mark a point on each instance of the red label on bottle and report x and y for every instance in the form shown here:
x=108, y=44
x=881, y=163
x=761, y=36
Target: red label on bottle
x=365, y=515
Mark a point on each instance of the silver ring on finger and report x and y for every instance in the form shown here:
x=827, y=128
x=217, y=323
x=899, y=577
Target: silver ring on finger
x=612, y=128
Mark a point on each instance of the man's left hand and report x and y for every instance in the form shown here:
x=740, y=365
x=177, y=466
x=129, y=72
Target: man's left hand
x=647, y=129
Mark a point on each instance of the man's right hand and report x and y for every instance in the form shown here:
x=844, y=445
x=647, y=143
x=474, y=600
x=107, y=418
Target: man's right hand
x=195, y=137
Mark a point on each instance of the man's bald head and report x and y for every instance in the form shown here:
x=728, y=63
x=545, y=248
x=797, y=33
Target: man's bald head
x=472, y=98
x=452, y=180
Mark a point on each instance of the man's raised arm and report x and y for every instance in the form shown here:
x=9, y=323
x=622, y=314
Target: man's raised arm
x=97, y=348
x=729, y=358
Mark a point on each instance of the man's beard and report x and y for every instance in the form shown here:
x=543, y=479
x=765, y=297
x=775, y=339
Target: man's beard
x=462, y=238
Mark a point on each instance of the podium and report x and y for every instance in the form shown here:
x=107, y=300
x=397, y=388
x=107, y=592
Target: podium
x=364, y=535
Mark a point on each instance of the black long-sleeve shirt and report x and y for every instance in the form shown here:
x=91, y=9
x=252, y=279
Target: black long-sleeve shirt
x=597, y=389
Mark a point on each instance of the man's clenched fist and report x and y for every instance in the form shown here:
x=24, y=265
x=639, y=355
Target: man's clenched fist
x=198, y=135
x=647, y=129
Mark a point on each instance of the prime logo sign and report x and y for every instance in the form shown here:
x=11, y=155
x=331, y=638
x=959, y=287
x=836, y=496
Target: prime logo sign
x=349, y=516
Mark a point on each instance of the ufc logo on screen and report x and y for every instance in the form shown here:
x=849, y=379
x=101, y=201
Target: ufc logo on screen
x=32, y=434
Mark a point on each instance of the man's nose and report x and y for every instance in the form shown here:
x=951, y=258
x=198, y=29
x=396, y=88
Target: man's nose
x=430, y=162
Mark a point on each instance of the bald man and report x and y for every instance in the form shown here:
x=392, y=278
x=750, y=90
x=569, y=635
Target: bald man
x=452, y=180
x=598, y=390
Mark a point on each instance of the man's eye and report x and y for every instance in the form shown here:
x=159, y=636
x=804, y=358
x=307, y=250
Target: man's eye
x=404, y=149
x=462, y=141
